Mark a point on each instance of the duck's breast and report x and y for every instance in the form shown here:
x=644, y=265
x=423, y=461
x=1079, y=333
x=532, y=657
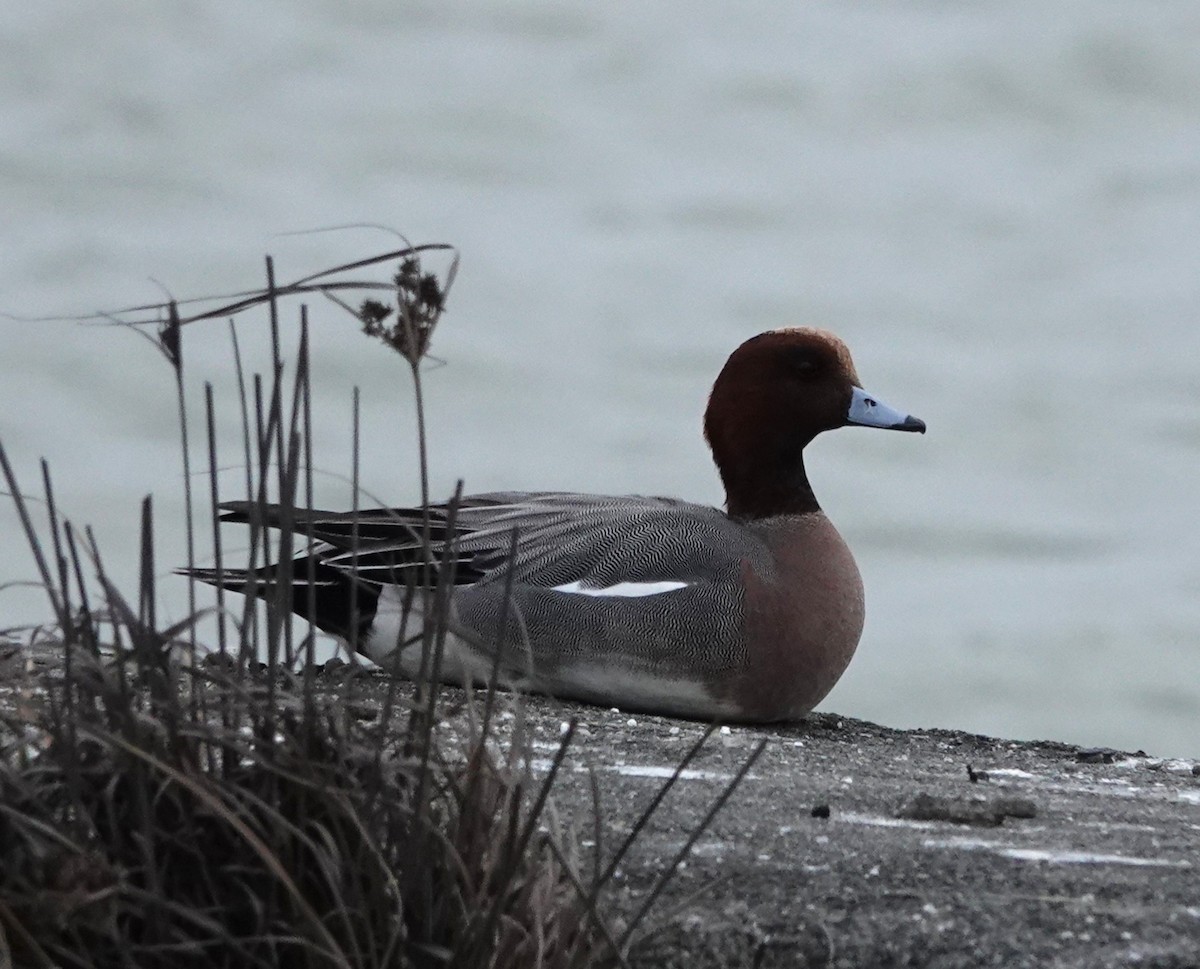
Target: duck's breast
x=802, y=621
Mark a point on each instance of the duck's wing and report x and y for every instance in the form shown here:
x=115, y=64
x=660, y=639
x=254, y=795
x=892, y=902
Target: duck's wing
x=594, y=542
x=584, y=595
x=629, y=600
x=546, y=539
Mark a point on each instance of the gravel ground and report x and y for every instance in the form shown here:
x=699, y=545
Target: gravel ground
x=852, y=845
x=849, y=844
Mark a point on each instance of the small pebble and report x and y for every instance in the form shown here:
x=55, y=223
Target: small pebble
x=1096, y=755
x=820, y=811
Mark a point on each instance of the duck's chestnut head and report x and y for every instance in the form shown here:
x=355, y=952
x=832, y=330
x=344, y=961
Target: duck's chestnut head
x=776, y=392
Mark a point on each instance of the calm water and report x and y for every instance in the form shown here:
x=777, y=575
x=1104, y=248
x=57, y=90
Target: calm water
x=996, y=204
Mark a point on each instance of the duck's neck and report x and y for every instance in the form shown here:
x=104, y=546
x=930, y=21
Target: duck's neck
x=767, y=489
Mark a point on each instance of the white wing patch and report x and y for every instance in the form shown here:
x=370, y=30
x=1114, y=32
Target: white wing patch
x=626, y=589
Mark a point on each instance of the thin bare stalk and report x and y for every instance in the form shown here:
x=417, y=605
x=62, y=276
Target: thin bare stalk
x=249, y=643
x=172, y=339
x=64, y=585
x=347, y=693
x=31, y=539
x=355, y=511
x=501, y=641
x=635, y=831
x=695, y=835
x=310, y=588
x=214, y=498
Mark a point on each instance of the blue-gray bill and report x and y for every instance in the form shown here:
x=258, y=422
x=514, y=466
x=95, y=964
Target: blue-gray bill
x=867, y=410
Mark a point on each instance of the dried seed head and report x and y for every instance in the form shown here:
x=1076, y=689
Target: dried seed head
x=420, y=299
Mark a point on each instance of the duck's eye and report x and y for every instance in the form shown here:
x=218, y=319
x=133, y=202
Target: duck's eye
x=805, y=364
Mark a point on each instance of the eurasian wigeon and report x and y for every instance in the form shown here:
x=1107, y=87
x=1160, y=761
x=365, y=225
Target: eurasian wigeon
x=651, y=604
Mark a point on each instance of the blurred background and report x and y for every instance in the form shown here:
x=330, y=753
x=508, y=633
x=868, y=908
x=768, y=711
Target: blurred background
x=996, y=204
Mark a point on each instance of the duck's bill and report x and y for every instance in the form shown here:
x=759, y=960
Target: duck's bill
x=867, y=410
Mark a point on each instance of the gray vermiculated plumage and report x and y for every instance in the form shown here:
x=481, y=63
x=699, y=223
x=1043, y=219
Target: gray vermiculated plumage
x=597, y=541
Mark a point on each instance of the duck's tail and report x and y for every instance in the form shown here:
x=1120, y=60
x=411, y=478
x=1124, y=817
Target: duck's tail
x=330, y=598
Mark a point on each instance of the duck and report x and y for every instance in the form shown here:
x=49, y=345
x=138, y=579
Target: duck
x=750, y=613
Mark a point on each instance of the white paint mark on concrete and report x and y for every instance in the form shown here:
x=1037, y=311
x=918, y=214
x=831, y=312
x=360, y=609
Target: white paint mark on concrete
x=651, y=770
x=1053, y=856
x=1091, y=858
x=878, y=821
x=1169, y=765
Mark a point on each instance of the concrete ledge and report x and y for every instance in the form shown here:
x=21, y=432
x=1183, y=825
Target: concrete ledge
x=852, y=845
x=915, y=864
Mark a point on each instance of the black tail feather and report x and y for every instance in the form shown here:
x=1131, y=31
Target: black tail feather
x=355, y=554
x=339, y=601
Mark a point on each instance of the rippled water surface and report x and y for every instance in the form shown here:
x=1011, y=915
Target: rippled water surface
x=996, y=204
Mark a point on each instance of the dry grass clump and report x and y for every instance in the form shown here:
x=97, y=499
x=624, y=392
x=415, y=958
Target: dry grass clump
x=162, y=807
x=161, y=815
